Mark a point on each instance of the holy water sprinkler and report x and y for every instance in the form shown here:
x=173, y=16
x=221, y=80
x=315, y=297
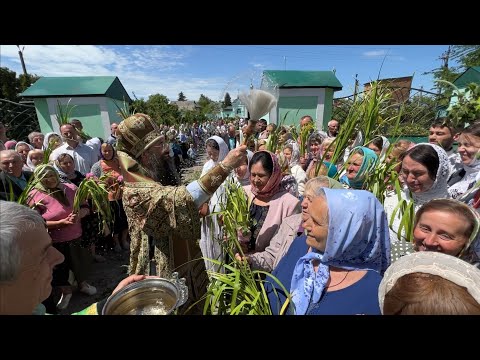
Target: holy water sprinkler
x=258, y=103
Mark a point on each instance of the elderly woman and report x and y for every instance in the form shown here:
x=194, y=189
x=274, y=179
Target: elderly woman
x=90, y=225
x=270, y=203
x=292, y=154
x=34, y=158
x=339, y=267
x=23, y=149
x=430, y=284
x=447, y=226
x=358, y=166
x=291, y=228
x=54, y=201
x=52, y=140
x=211, y=230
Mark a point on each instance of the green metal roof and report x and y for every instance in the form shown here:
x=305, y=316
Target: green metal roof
x=471, y=75
x=78, y=86
x=303, y=79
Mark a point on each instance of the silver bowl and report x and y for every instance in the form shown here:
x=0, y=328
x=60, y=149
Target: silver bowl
x=152, y=296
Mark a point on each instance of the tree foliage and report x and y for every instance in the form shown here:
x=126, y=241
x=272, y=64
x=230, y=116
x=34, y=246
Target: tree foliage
x=467, y=109
x=161, y=111
x=227, y=101
x=19, y=118
x=464, y=56
x=208, y=106
x=181, y=96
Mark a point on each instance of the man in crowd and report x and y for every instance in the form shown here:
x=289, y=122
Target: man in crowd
x=112, y=139
x=333, y=128
x=305, y=120
x=442, y=133
x=83, y=156
x=12, y=176
x=27, y=259
x=35, y=139
x=164, y=223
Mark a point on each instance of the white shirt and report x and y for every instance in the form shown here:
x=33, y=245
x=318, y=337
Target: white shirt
x=83, y=156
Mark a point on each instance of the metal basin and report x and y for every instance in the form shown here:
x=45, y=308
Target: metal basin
x=152, y=296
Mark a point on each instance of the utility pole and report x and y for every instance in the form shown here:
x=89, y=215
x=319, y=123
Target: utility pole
x=355, y=91
x=445, y=57
x=20, y=53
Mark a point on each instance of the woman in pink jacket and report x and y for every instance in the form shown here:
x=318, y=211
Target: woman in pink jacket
x=270, y=203
x=54, y=201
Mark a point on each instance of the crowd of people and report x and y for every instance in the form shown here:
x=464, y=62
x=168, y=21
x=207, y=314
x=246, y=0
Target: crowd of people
x=315, y=223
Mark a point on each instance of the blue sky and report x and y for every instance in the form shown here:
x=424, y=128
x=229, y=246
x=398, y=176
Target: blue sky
x=213, y=70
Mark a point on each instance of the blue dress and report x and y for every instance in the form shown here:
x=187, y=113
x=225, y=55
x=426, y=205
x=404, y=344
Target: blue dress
x=358, y=299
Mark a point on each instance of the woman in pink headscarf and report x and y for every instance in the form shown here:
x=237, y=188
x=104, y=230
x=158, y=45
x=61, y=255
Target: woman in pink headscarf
x=270, y=203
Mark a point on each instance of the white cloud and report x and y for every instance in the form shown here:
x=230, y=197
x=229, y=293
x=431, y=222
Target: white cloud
x=143, y=70
x=375, y=53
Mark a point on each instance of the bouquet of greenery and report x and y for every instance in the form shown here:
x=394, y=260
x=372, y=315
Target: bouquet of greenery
x=95, y=190
x=236, y=289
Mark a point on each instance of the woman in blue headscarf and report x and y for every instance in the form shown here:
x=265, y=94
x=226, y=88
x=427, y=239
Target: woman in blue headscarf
x=359, y=164
x=339, y=267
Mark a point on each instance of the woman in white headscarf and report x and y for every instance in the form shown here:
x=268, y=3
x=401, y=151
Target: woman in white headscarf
x=211, y=232
x=425, y=170
x=430, y=283
x=24, y=149
x=53, y=140
x=380, y=146
x=292, y=153
x=469, y=151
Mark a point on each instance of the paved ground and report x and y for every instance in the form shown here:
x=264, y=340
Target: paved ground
x=106, y=276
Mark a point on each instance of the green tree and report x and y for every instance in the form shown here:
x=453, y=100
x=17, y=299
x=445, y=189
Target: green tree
x=139, y=106
x=464, y=56
x=467, y=109
x=159, y=108
x=181, y=97
x=227, y=101
x=9, y=84
x=208, y=106
x=21, y=119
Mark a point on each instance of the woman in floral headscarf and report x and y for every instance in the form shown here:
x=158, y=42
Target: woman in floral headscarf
x=469, y=151
x=270, y=203
x=338, y=269
x=425, y=171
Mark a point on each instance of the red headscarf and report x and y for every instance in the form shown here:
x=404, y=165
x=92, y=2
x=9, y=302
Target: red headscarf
x=273, y=184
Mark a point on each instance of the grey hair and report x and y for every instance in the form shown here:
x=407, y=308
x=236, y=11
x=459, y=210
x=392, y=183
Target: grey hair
x=32, y=135
x=316, y=184
x=10, y=152
x=16, y=219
